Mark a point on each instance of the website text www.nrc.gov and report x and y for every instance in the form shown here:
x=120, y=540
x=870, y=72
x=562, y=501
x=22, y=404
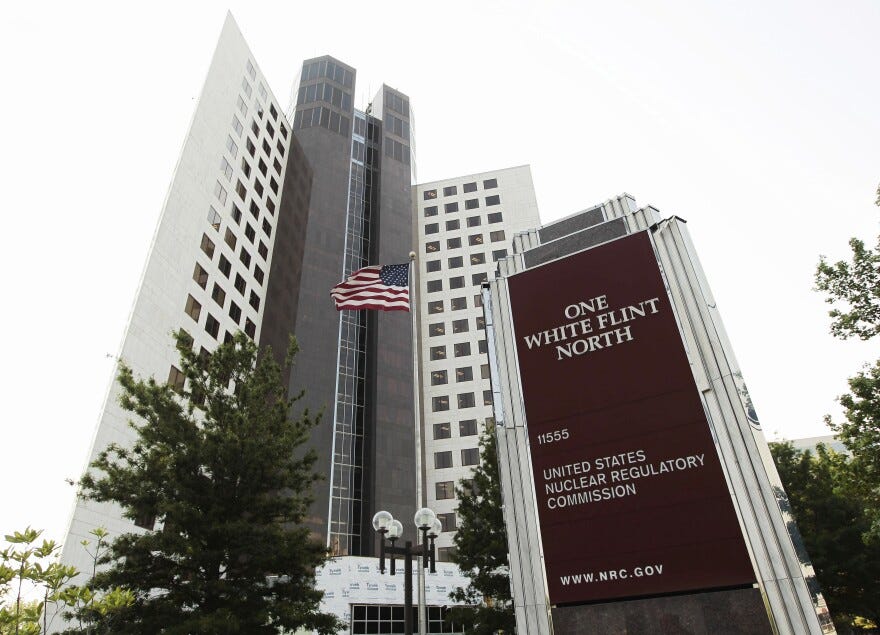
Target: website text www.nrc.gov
x=610, y=575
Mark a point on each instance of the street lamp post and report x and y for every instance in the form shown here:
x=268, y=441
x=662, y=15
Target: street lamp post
x=385, y=525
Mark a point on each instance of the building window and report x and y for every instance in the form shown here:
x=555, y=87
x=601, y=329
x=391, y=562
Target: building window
x=442, y=430
x=479, y=278
x=469, y=187
x=459, y=326
x=234, y=312
x=457, y=304
x=239, y=284
x=242, y=106
x=453, y=243
x=435, y=285
x=230, y=239
x=236, y=125
x=226, y=168
x=474, y=221
x=276, y=164
x=495, y=217
x=465, y=373
x=437, y=328
x=267, y=228
x=432, y=266
x=267, y=148
x=433, y=246
x=431, y=210
x=220, y=192
x=438, y=377
x=176, y=379
x=466, y=400
x=456, y=262
x=438, y=352
x=435, y=306
x=270, y=130
x=481, y=346
x=462, y=349
x=499, y=254
x=430, y=194
x=493, y=200
x=450, y=190
x=213, y=218
x=470, y=456
x=212, y=326
x=251, y=148
x=457, y=282
x=250, y=233
x=250, y=328
x=245, y=167
x=447, y=521
x=497, y=236
x=207, y=246
x=480, y=322
x=254, y=209
x=450, y=207
x=218, y=295
x=445, y=554
x=241, y=190
x=224, y=265
x=467, y=428
x=475, y=239
x=478, y=259
x=245, y=257
x=232, y=147
x=445, y=490
x=432, y=228
x=442, y=460
x=478, y=301
x=484, y=371
x=255, y=128
x=258, y=274
x=452, y=225
x=487, y=397
x=472, y=203
x=251, y=70
x=258, y=186
x=236, y=213
x=255, y=301
x=261, y=165
x=439, y=404
x=200, y=276
x=488, y=184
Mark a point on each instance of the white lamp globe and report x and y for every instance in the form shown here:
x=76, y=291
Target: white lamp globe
x=395, y=530
x=382, y=521
x=436, y=528
x=424, y=517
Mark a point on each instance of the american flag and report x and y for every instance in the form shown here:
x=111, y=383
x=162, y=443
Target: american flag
x=382, y=287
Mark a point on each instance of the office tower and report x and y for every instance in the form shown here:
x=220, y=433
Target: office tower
x=355, y=365
x=465, y=225
x=226, y=255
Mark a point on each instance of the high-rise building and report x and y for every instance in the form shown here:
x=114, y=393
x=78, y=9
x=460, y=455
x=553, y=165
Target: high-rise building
x=226, y=256
x=465, y=224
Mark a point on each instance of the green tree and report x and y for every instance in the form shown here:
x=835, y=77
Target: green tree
x=853, y=289
x=831, y=518
x=481, y=549
x=217, y=463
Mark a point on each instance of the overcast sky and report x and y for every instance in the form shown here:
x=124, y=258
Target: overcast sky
x=755, y=121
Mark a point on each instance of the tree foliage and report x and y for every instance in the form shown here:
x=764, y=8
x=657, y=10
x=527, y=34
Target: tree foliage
x=481, y=549
x=831, y=518
x=216, y=464
x=853, y=288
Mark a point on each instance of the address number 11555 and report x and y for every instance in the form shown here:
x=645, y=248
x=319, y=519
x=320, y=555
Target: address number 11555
x=552, y=437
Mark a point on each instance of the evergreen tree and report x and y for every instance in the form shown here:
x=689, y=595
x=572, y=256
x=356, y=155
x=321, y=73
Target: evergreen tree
x=831, y=518
x=481, y=549
x=217, y=463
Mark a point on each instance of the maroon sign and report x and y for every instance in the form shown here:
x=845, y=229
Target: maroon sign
x=631, y=497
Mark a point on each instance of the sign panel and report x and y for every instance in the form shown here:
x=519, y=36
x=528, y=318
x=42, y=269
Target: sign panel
x=631, y=496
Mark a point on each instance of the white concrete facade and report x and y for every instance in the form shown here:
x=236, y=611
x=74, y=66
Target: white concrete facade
x=482, y=212
x=212, y=246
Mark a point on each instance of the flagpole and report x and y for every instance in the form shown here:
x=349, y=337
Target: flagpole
x=420, y=502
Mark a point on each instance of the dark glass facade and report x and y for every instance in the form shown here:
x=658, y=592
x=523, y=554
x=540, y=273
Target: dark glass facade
x=355, y=366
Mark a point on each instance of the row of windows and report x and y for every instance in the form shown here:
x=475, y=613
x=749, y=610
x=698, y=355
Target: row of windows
x=432, y=266
x=324, y=92
x=452, y=190
x=456, y=282
x=436, y=329
x=328, y=69
x=469, y=456
x=465, y=373
x=397, y=126
x=323, y=117
x=397, y=103
x=455, y=224
x=193, y=309
x=374, y=618
x=466, y=428
x=473, y=239
x=396, y=150
x=463, y=400
x=455, y=304
x=471, y=221
x=461, y=349
x=444, y=490
x=471, y=203
x=262, y=94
